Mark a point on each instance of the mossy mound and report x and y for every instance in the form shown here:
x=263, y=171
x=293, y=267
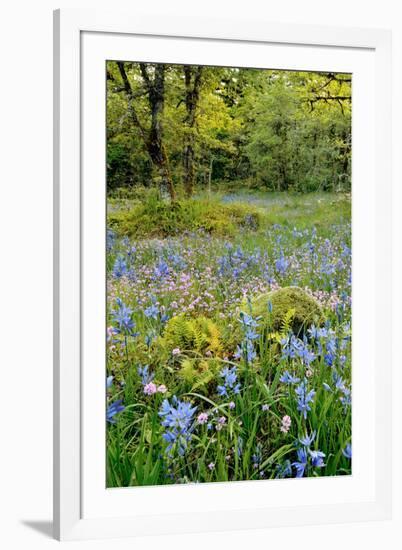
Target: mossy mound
x=305, y=309
x=158, y=218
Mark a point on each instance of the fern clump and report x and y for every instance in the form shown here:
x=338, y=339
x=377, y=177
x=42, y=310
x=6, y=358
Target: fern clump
x=198, y=373
x=289, y=308
x=200, y=335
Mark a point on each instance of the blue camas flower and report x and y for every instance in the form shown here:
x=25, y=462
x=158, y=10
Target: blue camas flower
x=124, y=320
x=113, y=409
x=230, y=384
x=347, y=451
x=301, y=463
x=281, y=264
x=120, y=267
x=287, y=378
x=145, y=375
x=304, y=397
x=177, y=419
x=317, y=458
x=151, y=312
x=307, y=439
x=246, y=349
x=161, y=270
x=283, y=470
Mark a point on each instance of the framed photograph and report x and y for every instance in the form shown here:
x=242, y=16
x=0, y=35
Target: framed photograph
x=222, y=274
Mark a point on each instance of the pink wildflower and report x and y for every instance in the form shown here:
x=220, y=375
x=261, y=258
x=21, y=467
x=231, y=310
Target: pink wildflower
x=202, y=418
x=150, y=389
x=286, y=422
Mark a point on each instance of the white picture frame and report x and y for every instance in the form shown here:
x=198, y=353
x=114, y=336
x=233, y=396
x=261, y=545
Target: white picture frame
x=83, y=507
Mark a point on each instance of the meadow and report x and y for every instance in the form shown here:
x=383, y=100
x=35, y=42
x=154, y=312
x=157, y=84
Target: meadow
x=228, y=337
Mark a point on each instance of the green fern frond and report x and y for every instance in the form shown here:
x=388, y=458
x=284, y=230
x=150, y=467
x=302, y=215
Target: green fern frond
x=286, y=322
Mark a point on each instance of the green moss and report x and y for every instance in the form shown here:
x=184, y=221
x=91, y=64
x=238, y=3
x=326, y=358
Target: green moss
x=304, y=307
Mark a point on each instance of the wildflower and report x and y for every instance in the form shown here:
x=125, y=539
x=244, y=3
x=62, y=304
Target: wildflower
x=230, y=384
x=146, y=376
x=307, y=439
x=302, y=462
x=304, y=398
x=283, y=470
x=150, y=389
x=281, y=264
x=123, y=318
x=346, y=400
x=246, y=348
x=114, y=409
x=177, y=418
x=265, y=407
x=232, y=405
x=221, y=423
x=119, y=267
x=202, y=418
x=327, y=387
x=151, y=312
x=110, y=331
x=317, y=458
x=162, y=388
x=161, y=270
x=176, y=351
x=347, y=451
x=287, y=378
x=211, y=466
x=286, y=422
x=109, y=381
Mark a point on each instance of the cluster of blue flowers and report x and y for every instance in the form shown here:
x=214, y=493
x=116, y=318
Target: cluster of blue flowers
x=177, y=419
x=161, y=270
x=115, y=407
x=123, y=318
x=304, y=398
x=288, y=378
x=328, y=344
x=281, y=264
x=246, y=349
x=293, y=347
x=145, y=375
x=304, y=453
x=153, y=312
x=230, y=384
x=236, y=262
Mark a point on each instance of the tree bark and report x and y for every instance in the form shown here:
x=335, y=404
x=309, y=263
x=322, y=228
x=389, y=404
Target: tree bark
x=192, y=78
x=152, y=136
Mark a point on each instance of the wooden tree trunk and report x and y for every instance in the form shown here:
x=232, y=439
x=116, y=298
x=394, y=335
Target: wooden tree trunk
x=152, y=137
x=192, y=79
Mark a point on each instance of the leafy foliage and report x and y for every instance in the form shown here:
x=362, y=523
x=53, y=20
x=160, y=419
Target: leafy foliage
x=269, y=129
x=199, y=335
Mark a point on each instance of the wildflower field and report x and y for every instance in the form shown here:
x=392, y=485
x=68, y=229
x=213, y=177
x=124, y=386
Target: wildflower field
x=228, y=338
